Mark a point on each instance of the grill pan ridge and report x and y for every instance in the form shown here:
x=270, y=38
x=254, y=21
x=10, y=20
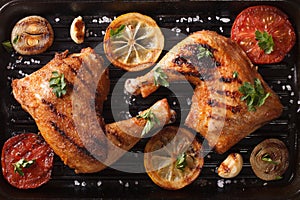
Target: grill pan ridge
x=180, y=17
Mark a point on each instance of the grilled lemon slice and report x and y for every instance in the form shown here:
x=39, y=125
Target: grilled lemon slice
x=173, y=158
x=133, y=42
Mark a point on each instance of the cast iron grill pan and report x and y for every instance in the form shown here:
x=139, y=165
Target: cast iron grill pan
x=280, y=77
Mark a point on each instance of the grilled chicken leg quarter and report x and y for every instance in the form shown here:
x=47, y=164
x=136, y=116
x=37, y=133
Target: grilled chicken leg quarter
x=56, y=117
x=217, y=67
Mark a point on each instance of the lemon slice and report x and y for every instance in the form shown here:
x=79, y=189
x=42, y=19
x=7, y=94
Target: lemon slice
x=173, y=158
x=133, y=42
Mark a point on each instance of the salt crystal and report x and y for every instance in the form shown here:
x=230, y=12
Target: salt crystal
x=121, y=182
x=217, y=17
x=283, y=87
x=57, y=19
x=288, y=87
x=289, y=76
x=188, y=101
x=94, y=20
x=136, y=182
x=99, y=183
x=127, y=184
x=76, y=182
x=187, y=29
x=220, y=183
x=221, y=29
x=209, y=18
x=225, y=20
x=83, y=184
x=292, y=93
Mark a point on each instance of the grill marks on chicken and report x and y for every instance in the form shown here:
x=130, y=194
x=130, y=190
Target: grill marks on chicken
x=55, y=117
x=208, y=61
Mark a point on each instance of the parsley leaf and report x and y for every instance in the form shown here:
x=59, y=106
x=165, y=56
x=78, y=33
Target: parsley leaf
x=265, y=41
x=16, y=39
x=203, y=52
x=254, y=95
x=266, y=157
x=235, y=74
x=181, y=161
x=7, y=46
x=22, y=163
x=160, y=78
x=58, y=84
x=117, y=31
x=151, y=121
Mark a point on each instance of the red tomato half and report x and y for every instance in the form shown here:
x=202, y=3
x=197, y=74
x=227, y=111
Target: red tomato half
x=28, y=146
x=263, y=18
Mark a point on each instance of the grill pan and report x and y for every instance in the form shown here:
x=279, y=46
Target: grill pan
x=182, y=17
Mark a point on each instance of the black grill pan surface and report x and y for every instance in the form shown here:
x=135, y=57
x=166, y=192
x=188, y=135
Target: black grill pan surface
x=180, y=17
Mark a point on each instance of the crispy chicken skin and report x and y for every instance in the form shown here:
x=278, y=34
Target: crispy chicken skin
x=55, y=116
x=217, y=111
x=72, y=125
x=123, y=135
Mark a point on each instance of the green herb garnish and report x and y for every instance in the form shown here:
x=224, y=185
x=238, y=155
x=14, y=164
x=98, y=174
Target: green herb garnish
x=16, y=39
x=203, y=52
x=7, y=46
x=266, y=157
x=254, y=95
x=160, y=78
x=181, y=161
x=265, y=41
x=235, y=74
x=117, y=31
x=278, y=177
x=58, y=84
x=151, y=121
x=22, y=163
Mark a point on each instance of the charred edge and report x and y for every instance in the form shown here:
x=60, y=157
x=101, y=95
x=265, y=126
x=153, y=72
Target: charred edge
x=117, y=137
x=53, y=109
x=214, y=103
x=227, y=93
x=190, y=69
x=229, y=80
x=74, y=71
x=63, y=134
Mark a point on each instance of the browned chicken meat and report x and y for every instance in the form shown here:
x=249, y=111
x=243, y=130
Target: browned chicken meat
x=72, y=124
x=59, y=119
x=123, y=135
x=221, y=110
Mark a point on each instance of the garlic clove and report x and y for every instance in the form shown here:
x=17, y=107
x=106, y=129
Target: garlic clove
x=231, y=166
x=77, y=30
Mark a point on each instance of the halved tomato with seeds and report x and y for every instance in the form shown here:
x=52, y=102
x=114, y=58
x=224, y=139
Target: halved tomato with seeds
x=264, y=20
x=27, y=161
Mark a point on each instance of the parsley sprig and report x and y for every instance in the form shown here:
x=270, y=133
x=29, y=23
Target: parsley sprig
x=203, y=52
x=22, y=163
x=116, y=32
x=266, y=157
x=181, y=161
x=58, y=84
x=254, y=95
x=265, y=41
x=160, y=78
x=7, y=46
x=151, y=121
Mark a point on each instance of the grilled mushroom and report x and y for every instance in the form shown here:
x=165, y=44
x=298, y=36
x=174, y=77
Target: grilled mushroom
x=32, y=35
x=269, y=159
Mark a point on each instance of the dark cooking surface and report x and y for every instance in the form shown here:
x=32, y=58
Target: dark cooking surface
x=179, y=17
